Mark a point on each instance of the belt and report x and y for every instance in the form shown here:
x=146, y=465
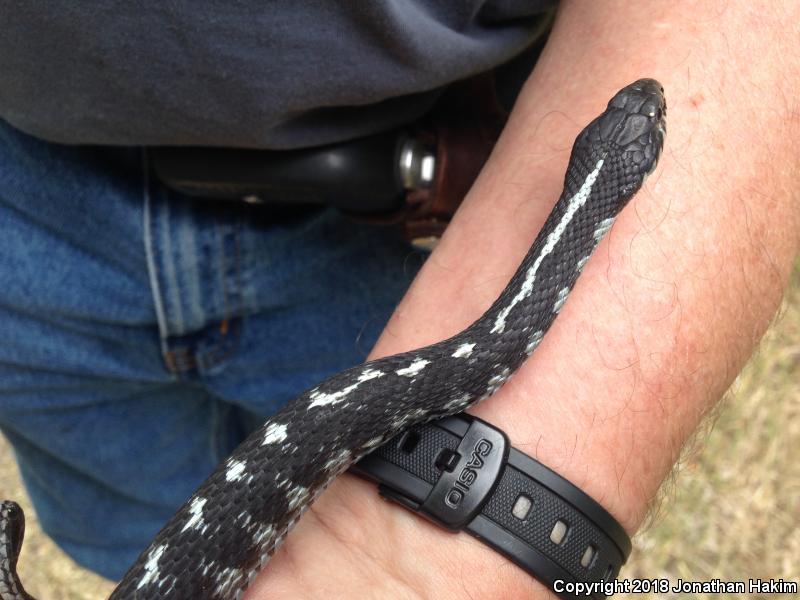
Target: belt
x=413, y=178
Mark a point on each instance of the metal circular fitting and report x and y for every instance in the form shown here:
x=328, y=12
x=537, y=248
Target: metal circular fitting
x=417, y=164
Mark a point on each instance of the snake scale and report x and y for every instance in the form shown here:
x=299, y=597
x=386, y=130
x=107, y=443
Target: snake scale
x=216, y=543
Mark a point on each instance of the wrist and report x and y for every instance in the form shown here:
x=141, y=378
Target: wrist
x=353, y=543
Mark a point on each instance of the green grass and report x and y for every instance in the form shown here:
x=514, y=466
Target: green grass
x=731, y=512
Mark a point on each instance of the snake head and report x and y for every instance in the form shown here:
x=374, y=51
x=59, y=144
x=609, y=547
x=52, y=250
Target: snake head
x=12, y=525
x=632, y=130
x=635, y=121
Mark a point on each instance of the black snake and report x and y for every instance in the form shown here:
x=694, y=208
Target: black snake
x=227, y=531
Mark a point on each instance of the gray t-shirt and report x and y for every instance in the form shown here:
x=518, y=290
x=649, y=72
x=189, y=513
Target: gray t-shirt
x=243, y=73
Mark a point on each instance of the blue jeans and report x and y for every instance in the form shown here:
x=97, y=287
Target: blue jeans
x=144, y=334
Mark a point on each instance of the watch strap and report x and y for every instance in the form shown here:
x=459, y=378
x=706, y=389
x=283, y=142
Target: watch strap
x=461, y=473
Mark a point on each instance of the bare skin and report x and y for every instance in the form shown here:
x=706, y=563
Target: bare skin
x=663, y=317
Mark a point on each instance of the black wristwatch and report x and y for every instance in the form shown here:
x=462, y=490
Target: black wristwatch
x=461, y=473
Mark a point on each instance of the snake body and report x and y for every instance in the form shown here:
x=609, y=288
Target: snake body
x=216, y=543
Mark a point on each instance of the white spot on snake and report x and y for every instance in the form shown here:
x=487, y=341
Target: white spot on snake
x=229, y=581
x=151, y=566
x=464, y=350
x=324, y=399
x=261, y=532
x=533, y=343
x=414, y=368
x=374, y=442
x=337, y=461
x=411, y=417
x=573, y=204
x=196, y=512
x=603, y=228
x=581, y=263
x=274, y=434
x=244, y=518
x=235, y=471
x=297, y=496
x=496, y=382
x=562, y=297
x=458, y=403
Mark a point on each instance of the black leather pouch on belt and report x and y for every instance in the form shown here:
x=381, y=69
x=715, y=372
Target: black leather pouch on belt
x=414, y=178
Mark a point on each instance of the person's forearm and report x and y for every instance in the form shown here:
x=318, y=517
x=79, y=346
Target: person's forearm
x=668, y=310
x=663, y=317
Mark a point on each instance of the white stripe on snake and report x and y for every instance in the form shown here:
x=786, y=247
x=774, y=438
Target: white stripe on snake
x=225, y=533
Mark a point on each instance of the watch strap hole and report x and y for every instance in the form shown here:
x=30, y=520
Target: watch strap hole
x=522, y=507
x=588, y=556
x=559, y=532
x=409, y=441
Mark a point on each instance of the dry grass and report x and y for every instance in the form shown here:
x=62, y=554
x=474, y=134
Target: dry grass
x=46, y=572
x=733, y=512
